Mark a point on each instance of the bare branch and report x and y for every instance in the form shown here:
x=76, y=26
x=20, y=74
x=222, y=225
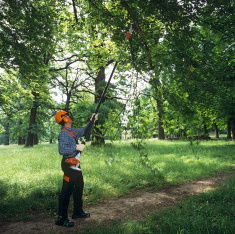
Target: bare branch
x=85, y=91
x=66, y=82
x=67, y=65
x=75, y=11
x=61, y=60
x=60, y=83
x=119, y=98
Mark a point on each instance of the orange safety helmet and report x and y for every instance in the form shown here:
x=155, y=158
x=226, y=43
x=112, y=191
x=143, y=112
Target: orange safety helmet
x=59, y=116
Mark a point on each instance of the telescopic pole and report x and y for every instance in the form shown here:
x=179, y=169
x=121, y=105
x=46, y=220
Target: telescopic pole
x=105, y=89
x=88, y=133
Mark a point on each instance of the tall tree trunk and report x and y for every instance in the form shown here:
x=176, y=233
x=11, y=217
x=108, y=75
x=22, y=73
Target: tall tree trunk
x=35, y=139
x=206, y=132
x=156, y=85
x=233, y=128
x=21, y=139
x=67, y=104
x=216, y=131
x=98, y=136
x=7, y=133
x=30, y=141
x=50, y=137
x=229, y=130
x=161, y=132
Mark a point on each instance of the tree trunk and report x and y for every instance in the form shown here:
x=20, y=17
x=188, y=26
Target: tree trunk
x=68, y=101
x=98, y=136
x=229, y=130
x=31, y=138
x=233, y=128
x=161, y=132
x=21, y=139
x=216, y=131
x=35, y=139
x=7, y=134
x=156, y=85
x=206, y=132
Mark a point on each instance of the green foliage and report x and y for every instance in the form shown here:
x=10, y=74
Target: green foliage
x=27, y=37
x=109, y=117
x=113, y=125
x=18, y=99
x=197, y=68
x=186, y=47
x=144, y=158
x=142, y=119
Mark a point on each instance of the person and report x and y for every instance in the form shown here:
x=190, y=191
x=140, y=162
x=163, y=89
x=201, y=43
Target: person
x=73, y=179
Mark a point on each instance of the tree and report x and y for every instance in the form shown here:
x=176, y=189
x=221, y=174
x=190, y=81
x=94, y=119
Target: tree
x=150, y=20
x=14, y=98
x=98, y=52
x=27, y=41
x=200, y=67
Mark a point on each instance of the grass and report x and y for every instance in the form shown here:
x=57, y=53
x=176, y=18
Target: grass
x=208, y=213
x=31, y=178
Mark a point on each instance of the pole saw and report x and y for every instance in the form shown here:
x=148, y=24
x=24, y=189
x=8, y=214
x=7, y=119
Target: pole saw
x=87, y=132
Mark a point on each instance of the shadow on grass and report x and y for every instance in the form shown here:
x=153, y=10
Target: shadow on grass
x=19, y=206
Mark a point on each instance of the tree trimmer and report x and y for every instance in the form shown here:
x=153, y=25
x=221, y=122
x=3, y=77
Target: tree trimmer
x=75, y=162
x=88, y=131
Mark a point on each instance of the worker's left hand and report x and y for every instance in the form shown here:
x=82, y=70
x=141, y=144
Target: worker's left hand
x=80, y=147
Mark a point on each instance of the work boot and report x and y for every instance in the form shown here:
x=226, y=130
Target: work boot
x=64, y=222
x=81, y=215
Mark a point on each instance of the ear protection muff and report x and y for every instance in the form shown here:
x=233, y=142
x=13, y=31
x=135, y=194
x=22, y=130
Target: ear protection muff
x=66, y=119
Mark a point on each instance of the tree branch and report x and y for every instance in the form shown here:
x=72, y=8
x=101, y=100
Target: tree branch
x=75, y=11
x=66, y=66
x=61, y=60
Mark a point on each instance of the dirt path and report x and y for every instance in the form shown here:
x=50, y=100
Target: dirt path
x=134, y=206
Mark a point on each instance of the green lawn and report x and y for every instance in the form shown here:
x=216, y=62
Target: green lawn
x=208, y=213
x=31, y=178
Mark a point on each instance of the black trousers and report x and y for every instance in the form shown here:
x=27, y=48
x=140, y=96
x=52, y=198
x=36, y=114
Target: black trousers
x=72, y=184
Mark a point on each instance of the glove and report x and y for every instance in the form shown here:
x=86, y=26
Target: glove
x=80, y=147
x=94, y=117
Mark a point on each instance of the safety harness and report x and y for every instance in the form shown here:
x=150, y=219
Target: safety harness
x=72, y=133
x=74, y=162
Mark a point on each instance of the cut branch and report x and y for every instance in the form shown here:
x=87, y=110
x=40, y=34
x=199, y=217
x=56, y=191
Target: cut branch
x=139, y=30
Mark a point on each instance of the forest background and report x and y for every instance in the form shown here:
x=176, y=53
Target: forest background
x=174, y=79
